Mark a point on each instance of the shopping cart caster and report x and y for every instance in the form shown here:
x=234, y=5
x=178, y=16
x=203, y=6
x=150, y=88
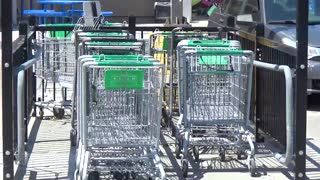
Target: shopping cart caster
x=184, y=168
x=173, y=128
x=58, y=113
x=73, y=137
x=222, y=154
x=196, y=153
x=177, y=150
x=117, y=175
x=252, y=167
x=165, y=118
x=240, y=154
x=93, y=175
x=133, y=175
x=41, y=113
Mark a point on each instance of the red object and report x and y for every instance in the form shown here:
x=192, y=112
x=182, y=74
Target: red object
x=210, y=2
x=207, y=2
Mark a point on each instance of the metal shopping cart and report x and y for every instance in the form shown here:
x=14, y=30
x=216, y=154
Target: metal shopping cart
x=120, y=121
x=185, y=45
x=162, y=47
x=97, y=48
x=216, y=94
x=58, y=64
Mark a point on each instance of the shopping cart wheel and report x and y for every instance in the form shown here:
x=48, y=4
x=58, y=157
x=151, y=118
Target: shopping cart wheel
x=222, y=154
x=165, y=117
x=240, y=154
x=173, y=128
x=177, y=149
x=126, y=175
x=94, y=175
x=73, y=137
x=117, y=175
x=185, y=168
x=196, y=153
x=58, y=113
x=41, y=113
x=133, y=175
x=252, y=167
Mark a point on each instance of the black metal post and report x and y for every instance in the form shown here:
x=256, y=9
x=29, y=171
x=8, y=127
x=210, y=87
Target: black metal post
x=23, y=30
x=301, y=88
x=132, y=25
x=7, y=125
x=255, y=92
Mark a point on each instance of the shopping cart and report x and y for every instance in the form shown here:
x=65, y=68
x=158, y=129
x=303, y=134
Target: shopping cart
x=58, y=64
x=106, y=45
x=185, y=45
x=216, y=93
x=120, y=121
x=74, y=136
x=162, y=47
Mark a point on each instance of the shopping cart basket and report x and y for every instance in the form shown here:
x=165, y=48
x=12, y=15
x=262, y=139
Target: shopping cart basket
x=185, y=45
x=216, y=92
x=162, y=46
x=120, y=125
x=58, y=65
x=114, y=46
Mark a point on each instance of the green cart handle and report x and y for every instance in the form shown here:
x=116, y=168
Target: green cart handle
x=220, y=52
x=125, y=63
x=102, y=57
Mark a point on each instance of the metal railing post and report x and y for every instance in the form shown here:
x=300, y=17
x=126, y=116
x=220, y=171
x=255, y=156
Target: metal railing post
x=7, y=76
x=301, y=88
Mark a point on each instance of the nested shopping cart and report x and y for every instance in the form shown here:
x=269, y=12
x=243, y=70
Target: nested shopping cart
x=216, y=93
x=120, y=121
x=98, y=43
x=58, y=64
x=200, y=44
x=163, y=47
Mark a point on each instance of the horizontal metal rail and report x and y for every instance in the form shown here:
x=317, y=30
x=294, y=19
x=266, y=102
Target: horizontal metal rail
x=287, y=158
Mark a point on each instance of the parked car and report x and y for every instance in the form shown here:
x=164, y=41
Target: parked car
x=279, y=19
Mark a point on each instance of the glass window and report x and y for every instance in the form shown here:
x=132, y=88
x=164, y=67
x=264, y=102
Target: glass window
x=285, y=10
x=234, y=7
x=251, y=7
x=241, y=7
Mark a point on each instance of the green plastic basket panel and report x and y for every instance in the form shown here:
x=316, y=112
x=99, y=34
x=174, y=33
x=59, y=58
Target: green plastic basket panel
x=220, y=52
x=123, y=79
x=110, y=24
x=115, y=43
x=119, y=57
x=125, y=63
x=209, y=43
x=59, y=34
x=117, y=52
x=106, y=34
x=214, y=60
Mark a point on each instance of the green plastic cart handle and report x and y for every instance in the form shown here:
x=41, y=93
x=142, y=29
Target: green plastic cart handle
x=108, y=34
x=119, y=57
x=220, y=52
x=125, y=63
x=109, y=24
x=114, y=43
x=58, y=25
x=209, y=43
